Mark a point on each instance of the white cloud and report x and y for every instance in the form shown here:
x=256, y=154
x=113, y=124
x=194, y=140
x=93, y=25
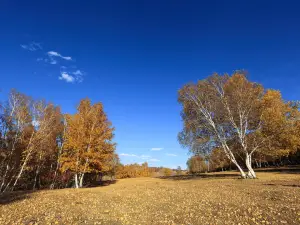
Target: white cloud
x=79, y=75
x=67, y=77
x=146, y=158
x=131, y=155
x=52, y=61
x=52, y=54
x=156, y=149
x=78, y=72
x=47, y=60
x=170, y=154
x=33, y=46
x=153, y=160
x=70, y=76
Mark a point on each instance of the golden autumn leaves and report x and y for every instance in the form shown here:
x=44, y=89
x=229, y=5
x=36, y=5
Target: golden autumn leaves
x=240, y=120
x=40, y=147
x=240, y=117
x=28, y=141
x=88, y=143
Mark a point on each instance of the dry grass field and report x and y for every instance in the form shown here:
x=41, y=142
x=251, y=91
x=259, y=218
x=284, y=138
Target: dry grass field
x=218, y=198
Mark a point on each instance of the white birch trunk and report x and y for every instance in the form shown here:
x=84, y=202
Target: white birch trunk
x=243, y=174
x=4, y=177
x=251, y=174
x=25, y=161
x=81, y=180
x=76, y=180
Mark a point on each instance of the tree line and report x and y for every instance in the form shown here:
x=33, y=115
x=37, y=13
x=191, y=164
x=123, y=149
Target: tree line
x=42, y=148
x=217, y=161
x=229, y=120
x=143, y=170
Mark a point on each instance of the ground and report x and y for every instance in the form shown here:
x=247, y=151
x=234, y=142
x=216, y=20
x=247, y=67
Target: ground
x=218, y=198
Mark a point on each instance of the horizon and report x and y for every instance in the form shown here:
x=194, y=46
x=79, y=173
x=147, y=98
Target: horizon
x=134, y=57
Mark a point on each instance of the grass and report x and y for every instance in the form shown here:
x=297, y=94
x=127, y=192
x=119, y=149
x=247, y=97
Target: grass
x=219, y=198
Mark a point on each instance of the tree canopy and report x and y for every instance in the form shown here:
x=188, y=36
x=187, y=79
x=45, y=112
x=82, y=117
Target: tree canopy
x=238, y=116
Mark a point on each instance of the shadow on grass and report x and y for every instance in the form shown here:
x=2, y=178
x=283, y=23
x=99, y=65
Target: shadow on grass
x=15, y=196
x=201, y=176
x=288, y=170
x=101, y=184
x=234, y=174
x=10, y=197
x=284, y=185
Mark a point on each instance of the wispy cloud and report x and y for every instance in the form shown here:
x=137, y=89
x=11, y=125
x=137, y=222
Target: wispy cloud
x=51, y=61
x=170, y=154
x=130, y=155
x=69, y=76
x=56, y=54
x=147, y=158
x=134, y=155
x=79, y=75
x=68, y=73
x=78, y=72
x=156, y=149
x=153, y=160
x=66, y=77
x=33, y=46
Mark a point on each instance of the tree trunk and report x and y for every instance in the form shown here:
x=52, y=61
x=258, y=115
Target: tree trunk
x=243, y=175
x=8, y=161
x=4, y=177
x=36, y=178
x=37, y=173
x=208, y=166
x=257, y=165
x=25, y=161
x=76, y=180
x=81, y=180
x=231, y=157
x=58, y=157
x=52, y=185
x=20, y=173
x=260, y=163
x=251, y=174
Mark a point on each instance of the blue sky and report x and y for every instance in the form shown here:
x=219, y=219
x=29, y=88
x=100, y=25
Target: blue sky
x=133, y=56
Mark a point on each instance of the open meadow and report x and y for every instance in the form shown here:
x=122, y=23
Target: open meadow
x=216, y=198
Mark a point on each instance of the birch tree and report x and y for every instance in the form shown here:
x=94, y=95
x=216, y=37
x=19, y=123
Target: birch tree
x=224, y=109
x=15, y=122
x=37, y=143
x=41, y=131
x=88, y=145
x=48, y=125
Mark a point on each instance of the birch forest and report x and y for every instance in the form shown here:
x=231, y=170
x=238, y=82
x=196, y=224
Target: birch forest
x=40, y=147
